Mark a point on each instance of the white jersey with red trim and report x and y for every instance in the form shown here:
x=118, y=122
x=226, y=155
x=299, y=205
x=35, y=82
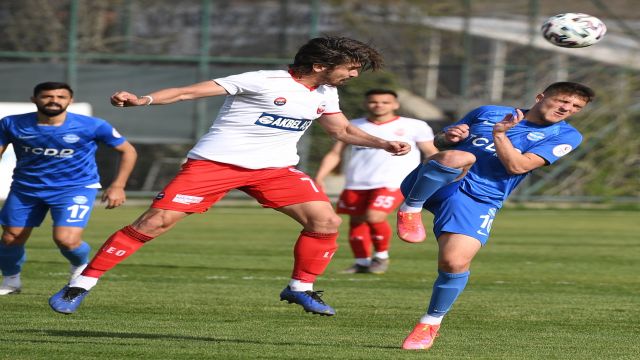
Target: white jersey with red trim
x=262, y=119
x=369, y=168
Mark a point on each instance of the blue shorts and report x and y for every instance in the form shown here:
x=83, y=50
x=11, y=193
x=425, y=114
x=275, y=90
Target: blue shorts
x=69, y=207
x=456, y=212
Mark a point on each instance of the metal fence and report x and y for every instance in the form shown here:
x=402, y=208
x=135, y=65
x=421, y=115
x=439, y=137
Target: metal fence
x=455, y=54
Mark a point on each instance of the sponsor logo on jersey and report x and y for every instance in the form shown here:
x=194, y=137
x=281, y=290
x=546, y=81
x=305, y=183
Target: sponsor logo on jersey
x=535, y=136
x=486, y=144
x=80, y=199
x=321, y=108
x=63, y=153
x=71, y=138
x=562, y=150
x=279, y=101
x=160, y=196
x=281, y=122
x=187, y=199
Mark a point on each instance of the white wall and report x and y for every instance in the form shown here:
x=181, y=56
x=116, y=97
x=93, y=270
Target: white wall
x=8, y=161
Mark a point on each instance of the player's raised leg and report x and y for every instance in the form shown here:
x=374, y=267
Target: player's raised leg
x=442, y=169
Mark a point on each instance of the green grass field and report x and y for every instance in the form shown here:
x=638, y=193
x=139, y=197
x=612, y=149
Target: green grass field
x=551, y=284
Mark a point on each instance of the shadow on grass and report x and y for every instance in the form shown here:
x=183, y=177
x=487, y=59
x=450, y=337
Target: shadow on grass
x=69, y=334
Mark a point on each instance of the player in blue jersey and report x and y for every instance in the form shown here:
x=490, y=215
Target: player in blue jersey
x=484, y=157
x=55, y=171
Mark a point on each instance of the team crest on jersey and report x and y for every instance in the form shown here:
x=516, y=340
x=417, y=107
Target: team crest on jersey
x=279, y=101
x=281, y=122
x=80, y=199
x=562, y=150
x=535, y=136
x=71, y=138
x=321, y=108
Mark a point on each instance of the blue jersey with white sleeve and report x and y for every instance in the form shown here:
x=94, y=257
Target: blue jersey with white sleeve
x=488, y=179
x=53, y=157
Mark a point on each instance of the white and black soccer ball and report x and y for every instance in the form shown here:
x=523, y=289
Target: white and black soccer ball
x=573, y=30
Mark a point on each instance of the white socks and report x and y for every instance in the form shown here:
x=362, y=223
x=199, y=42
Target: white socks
x=297, y=285
x=12, y=281
x=84, y=282
x=431, y=320
x=408, y=209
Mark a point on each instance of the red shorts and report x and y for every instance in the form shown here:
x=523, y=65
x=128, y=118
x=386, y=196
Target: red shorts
x=201, y=183
x=357, y=202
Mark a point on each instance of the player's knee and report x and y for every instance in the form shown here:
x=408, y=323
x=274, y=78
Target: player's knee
x=325, y=224
x=452, y=265
x=334, y=221
x=67, y=243
x=455, y=158
x=11, y=238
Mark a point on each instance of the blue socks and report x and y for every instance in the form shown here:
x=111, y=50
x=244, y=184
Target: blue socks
x=446, y=289
x=11, y=259
x=431, y=177
x=79, y=255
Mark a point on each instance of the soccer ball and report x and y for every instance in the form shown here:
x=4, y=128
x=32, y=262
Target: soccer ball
x=573, y=30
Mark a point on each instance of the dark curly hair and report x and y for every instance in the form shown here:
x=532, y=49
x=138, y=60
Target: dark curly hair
x=332, y=51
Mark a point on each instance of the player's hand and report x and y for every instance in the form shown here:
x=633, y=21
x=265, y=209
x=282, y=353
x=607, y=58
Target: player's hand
x=457, y=133
x=114, y=197
x=398, y=147
x=508, y=122
x=126, y=99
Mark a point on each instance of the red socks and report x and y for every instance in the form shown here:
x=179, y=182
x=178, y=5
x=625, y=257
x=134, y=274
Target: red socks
x=312, y=253
x=360, y=240
x=118, y=247
x=381, y=235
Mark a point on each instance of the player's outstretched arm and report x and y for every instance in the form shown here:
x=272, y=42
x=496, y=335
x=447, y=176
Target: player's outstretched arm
x=338, y=126
x=169, y=95
x=114, y=195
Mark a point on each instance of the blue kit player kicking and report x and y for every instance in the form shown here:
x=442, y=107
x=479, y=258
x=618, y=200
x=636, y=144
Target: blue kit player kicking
x=55, y=171
x=484, y=157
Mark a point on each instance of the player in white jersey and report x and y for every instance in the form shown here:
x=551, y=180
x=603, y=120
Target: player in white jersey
x=252, y=147
x=373, y=178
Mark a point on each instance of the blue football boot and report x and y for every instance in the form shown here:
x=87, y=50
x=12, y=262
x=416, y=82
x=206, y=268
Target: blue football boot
x=67, y=300
x=309, y=300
